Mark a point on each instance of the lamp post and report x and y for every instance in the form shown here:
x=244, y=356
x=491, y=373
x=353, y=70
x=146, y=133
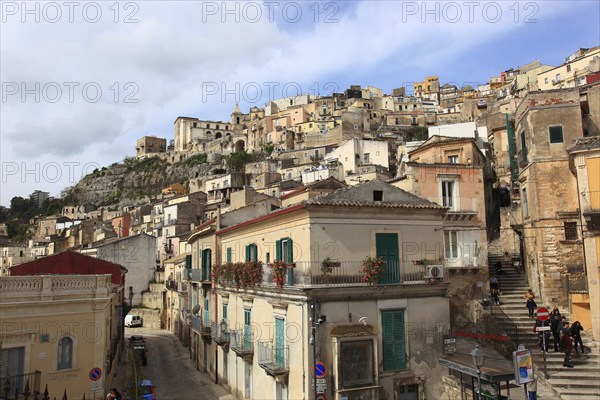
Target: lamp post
x=478, y=360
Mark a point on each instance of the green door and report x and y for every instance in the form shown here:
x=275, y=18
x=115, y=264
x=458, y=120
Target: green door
x=279, y=344
x=247, y=331
x=386, y=245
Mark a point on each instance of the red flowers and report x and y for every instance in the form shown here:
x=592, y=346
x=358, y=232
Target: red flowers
x=279, y=272
x=373, y=269
x=243, y=275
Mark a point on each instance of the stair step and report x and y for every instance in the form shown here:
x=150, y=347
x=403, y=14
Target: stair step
x=578, y=391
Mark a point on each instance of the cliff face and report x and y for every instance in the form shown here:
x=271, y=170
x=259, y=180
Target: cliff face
x=135, y=180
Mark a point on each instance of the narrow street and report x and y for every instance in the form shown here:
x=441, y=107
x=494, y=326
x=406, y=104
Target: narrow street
x=171, y=370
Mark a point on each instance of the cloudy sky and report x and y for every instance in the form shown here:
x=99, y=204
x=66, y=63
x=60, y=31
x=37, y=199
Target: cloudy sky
x=81, y=81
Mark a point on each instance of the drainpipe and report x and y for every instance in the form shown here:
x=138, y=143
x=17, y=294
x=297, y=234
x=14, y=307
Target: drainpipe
x=214, y=287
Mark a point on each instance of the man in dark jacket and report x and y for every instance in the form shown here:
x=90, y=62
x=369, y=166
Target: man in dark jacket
x=555, y=319
x=567, y=344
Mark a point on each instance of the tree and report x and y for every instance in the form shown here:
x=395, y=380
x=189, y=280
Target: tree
x=134, y=374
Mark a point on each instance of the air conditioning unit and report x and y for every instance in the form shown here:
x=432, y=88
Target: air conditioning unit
x=435, y=271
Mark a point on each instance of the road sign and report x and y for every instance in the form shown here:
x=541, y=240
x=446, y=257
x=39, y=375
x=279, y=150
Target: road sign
x=542, y=328
x=542, y=314
x=96, y=386
x=319, y=370
x=95, y=374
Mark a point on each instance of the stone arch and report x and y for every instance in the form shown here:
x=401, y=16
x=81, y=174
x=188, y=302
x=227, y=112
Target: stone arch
x=240, y=146
x=218, y=135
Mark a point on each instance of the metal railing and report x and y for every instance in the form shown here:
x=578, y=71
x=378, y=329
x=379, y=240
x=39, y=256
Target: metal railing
x=15, y=386
x=219, y=331
x=346, y=273
x=241, y=341
x=199, y=275
x=196, y=323
x=272, y=357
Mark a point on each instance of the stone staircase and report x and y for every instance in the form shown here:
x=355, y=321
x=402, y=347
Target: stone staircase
x=581, y=382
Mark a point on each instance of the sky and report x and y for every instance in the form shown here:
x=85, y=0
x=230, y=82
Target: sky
x=82, y=81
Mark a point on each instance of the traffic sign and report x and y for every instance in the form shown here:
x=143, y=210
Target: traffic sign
x=542, y=314
x=319, y=370
x=95, y=374
x=542, y=328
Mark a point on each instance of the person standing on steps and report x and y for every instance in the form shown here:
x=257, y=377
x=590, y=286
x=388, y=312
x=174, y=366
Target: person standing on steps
x=530, y=302
x=555, y=319
x=576, y=335
x=567, y=345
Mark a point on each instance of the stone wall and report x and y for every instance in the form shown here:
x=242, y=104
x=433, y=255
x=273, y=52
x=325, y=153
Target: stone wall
x=150, y=317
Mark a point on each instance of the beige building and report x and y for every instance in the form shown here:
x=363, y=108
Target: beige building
x=256, y=331
x=573, y=72
x=63, y=326
x=356, y=154
x=583, y=287
x=149, y=145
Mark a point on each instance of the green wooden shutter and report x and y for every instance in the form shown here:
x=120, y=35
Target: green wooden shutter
x=393, y=340
x=247, y=331
x=188, y=261
x=279, y=343
x=229, y=254
x=278, y=250
x=225, y=312
x=247, y=253
x=290, y=253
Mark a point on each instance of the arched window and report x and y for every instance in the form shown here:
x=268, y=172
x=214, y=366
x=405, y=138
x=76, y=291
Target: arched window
x=65, y=353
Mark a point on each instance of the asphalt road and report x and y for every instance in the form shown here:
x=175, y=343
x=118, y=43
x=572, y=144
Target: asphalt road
x=171, y=370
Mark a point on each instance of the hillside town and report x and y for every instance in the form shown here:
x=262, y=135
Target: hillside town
x=357, y=245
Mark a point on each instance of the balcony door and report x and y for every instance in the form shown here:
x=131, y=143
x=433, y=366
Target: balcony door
x=386, y=245
x=279, y=343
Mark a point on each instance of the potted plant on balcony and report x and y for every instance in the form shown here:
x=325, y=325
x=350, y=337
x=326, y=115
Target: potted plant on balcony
x=372, y=269
x=279, y=272
x=250, y=274
x=327, y=266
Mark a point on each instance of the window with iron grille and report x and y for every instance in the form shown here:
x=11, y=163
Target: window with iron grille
x=571, y=231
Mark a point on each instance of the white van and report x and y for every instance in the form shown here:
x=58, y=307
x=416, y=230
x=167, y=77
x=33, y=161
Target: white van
x=133, y=320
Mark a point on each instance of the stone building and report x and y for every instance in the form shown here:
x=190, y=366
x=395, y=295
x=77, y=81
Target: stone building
x=546, y=123
x=149, y=145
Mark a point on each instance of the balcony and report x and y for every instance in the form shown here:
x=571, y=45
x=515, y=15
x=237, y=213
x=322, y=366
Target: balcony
x=169, y=221
x=241, y=343
x=171, y=284
x=220, y=333
x=274, y=359
x=459, y=208
x=200, y=275
x=522, y=158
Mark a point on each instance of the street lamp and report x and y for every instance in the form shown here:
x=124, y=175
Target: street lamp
x=478, y=360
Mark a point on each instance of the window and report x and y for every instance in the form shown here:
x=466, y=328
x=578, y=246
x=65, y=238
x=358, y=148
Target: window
x=284, y=250
x=450, y=244
x=206, y=264
x=356, y=368
x=355, y=126
x=409, y=392
x=557, y=77
x=546, y=80
x=225, y=312
x=448, y=194
x=525, y=203
x=228, y=254
x=453, y=159
x=367, y=157
x=569, y=68
x=414, y=120
x=556, y=134
x=571, y=231
x=251, y=252
x=279, y=343
x=65, y=353
x=377, y=195
x=394, y=352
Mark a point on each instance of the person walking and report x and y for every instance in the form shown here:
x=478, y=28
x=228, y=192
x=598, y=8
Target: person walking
x=530, y=302
x=555, y=319
x=532, y=388
x=494, y=283
x=576, y=335
x=495, y=297
x=567, y=345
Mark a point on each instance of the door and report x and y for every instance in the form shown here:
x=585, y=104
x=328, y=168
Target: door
x=279, y=344
x=225, y=372
x=248, y=373
x=12, y=362
x=386, y=245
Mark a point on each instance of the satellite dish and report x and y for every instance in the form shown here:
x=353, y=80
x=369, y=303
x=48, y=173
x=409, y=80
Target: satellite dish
x=196, y=309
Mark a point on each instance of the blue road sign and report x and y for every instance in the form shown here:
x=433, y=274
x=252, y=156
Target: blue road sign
x=95, y=374
x=319, y=370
